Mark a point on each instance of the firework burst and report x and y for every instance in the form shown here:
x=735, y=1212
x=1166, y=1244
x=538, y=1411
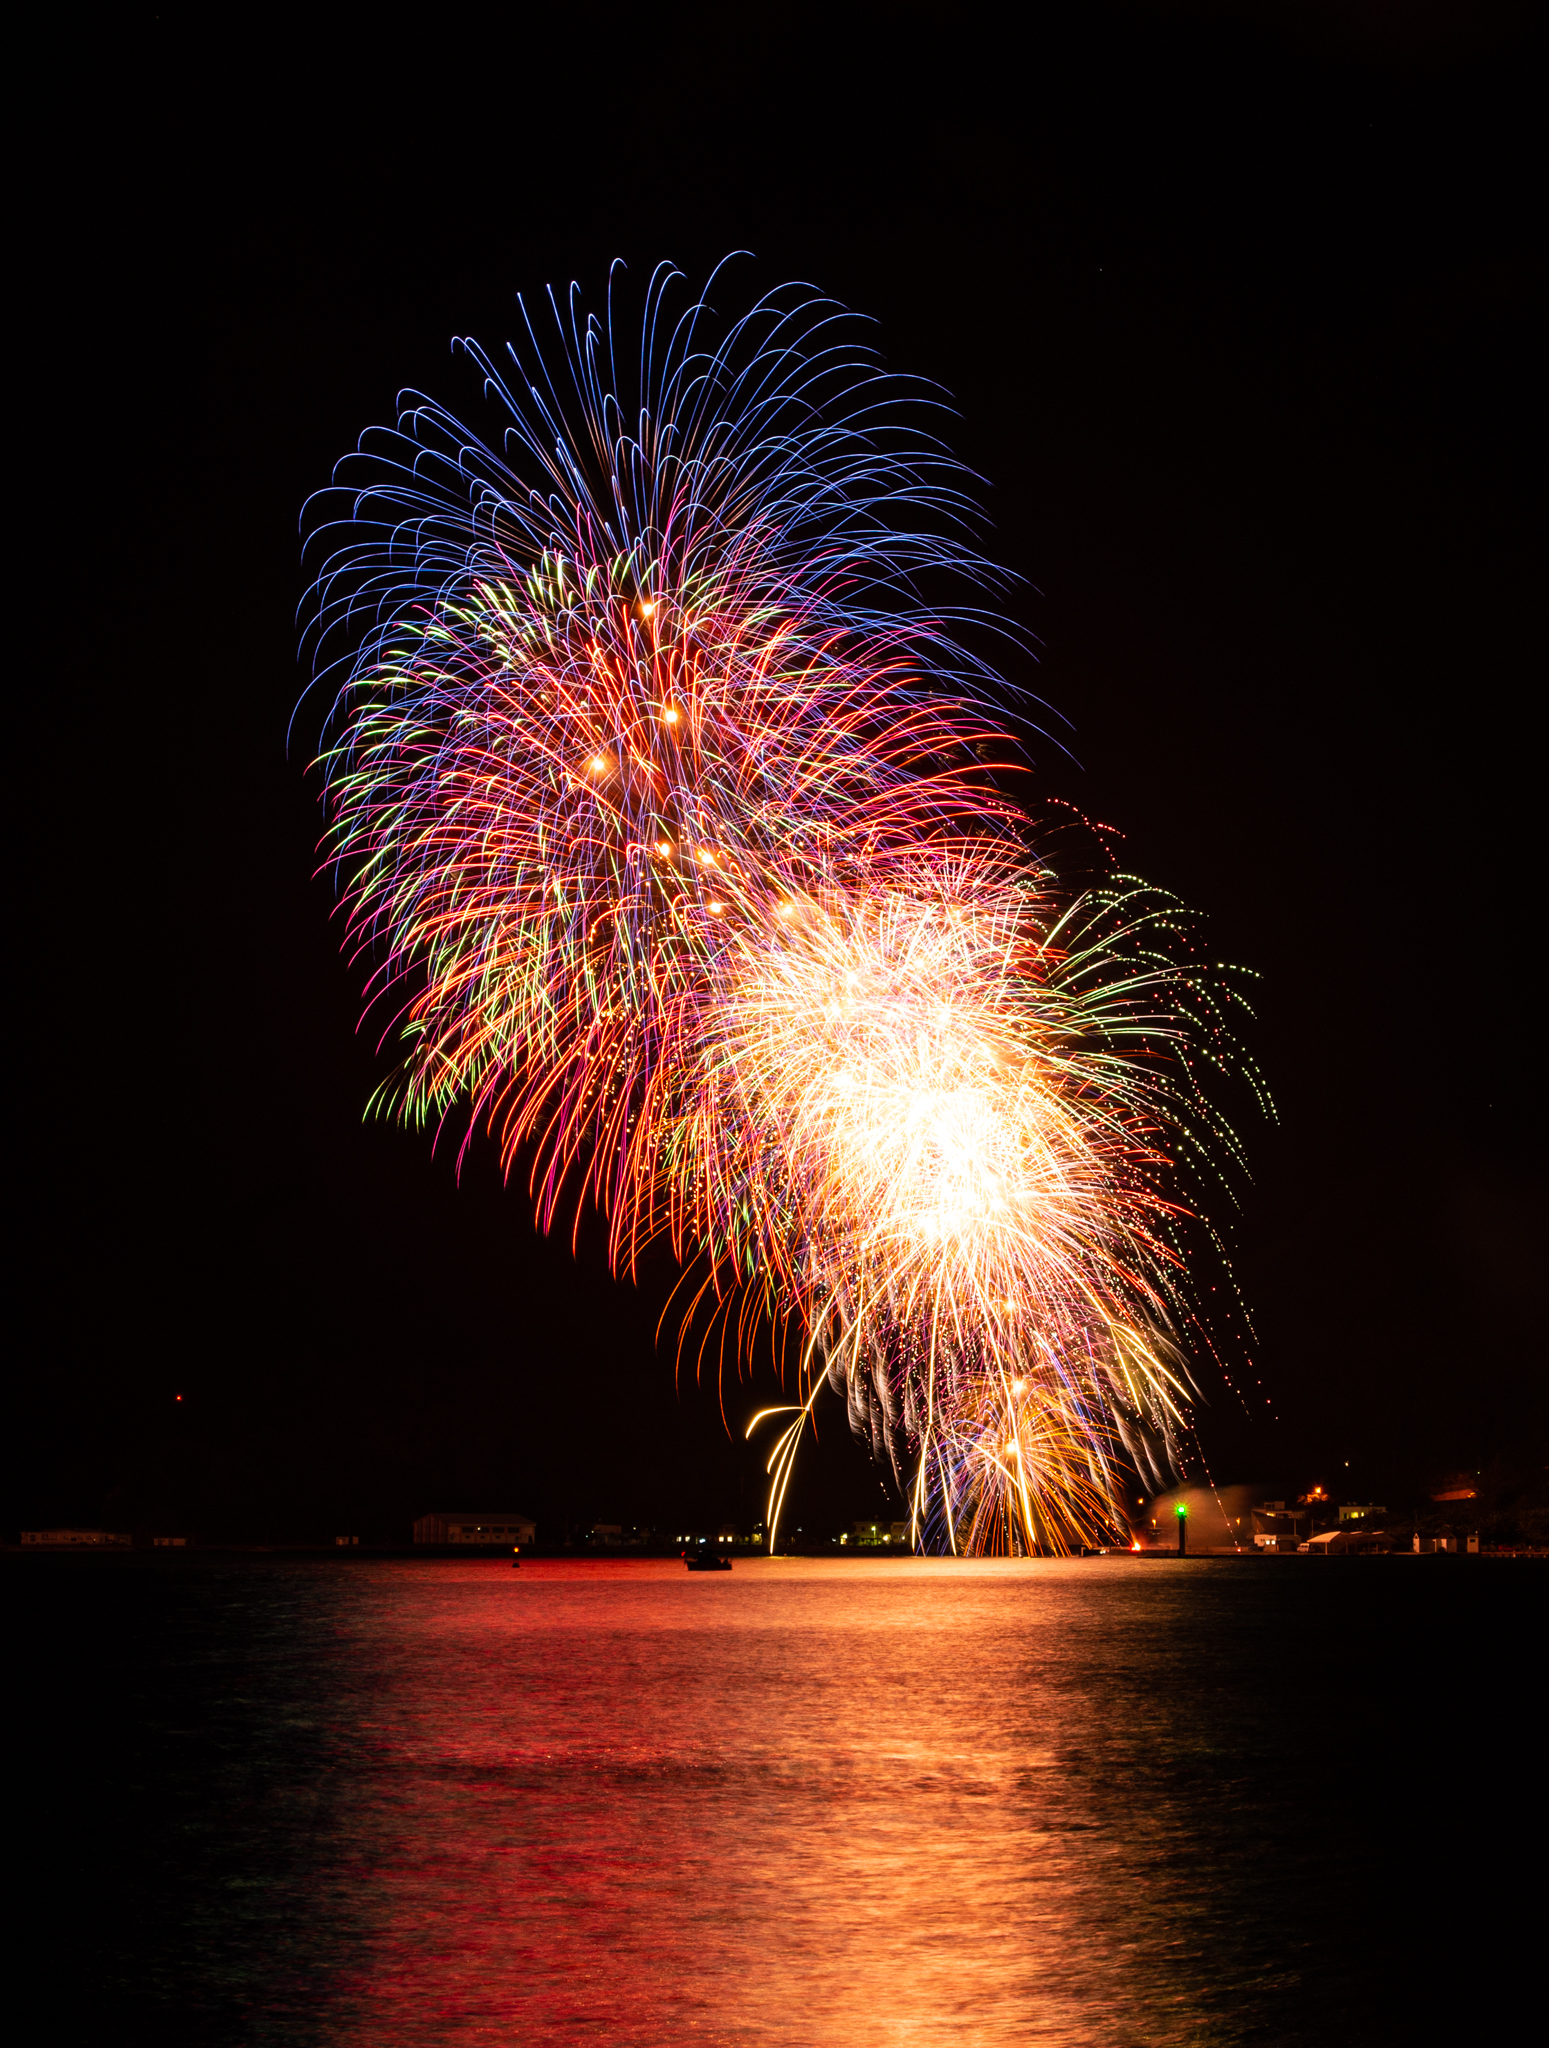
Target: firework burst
x=947, y=1107
x=660, y=802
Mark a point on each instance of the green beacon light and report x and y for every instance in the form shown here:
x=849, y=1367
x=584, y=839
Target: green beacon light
x=1183, y=1528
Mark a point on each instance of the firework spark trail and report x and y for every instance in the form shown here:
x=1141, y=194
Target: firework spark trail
x=919, y=1103
x=658, y=797
x=582, y=710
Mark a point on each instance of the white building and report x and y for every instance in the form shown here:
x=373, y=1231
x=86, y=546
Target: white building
x=486, y=1529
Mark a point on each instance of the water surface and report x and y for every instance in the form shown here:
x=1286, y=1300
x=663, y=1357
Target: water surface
x=850, y=1803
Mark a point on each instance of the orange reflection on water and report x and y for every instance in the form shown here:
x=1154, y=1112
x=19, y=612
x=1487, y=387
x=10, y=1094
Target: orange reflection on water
x=829, y=1802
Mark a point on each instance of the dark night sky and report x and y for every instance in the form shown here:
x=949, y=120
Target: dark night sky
x=1239, y=322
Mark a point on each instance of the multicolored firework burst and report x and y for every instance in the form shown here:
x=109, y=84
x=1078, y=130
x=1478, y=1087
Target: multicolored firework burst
x=666, y=807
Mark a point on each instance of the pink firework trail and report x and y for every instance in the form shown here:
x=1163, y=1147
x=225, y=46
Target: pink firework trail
x=666, y=811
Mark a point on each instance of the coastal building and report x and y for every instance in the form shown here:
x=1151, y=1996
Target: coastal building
x=77, y=1538
x=1346, y=1542
x=872, y=1535
x=486, y=1529
x=1274, y=1528
x=1359, y=1510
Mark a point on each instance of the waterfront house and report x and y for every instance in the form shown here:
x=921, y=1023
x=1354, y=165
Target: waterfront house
x=1274, y=1528
x=499, y=1529
x=1346, y=1542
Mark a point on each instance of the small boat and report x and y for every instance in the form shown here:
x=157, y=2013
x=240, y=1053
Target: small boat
x=708, y=1561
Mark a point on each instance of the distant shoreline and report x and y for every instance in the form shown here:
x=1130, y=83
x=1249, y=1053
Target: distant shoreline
x=428, y=1553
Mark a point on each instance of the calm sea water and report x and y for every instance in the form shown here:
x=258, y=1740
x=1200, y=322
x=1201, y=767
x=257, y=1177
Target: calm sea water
x=861, y=1804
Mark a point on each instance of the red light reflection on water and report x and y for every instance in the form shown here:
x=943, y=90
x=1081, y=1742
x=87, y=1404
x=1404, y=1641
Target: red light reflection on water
x=811, y=1803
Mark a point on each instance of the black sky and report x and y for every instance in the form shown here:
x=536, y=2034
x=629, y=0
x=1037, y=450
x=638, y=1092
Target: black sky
x=1239, y=318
